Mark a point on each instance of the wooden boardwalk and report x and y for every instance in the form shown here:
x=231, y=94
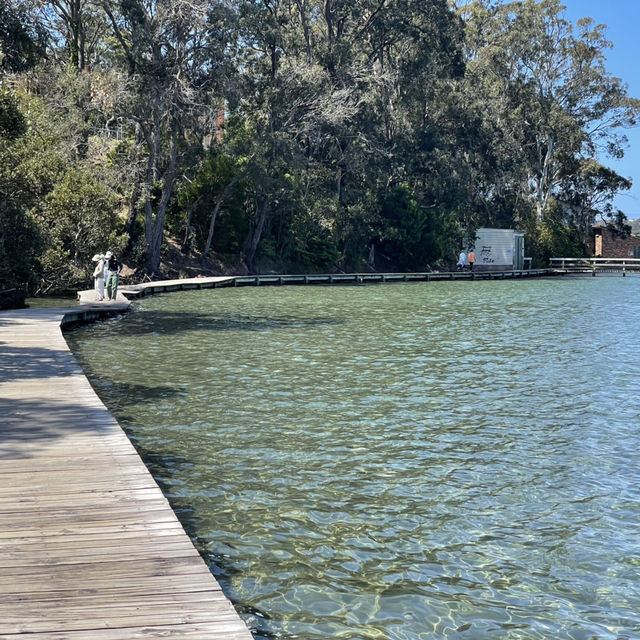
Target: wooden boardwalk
x=89, y=547
x=593, y=266
x=133, y=291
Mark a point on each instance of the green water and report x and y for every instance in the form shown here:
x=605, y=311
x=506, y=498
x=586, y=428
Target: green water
x=409, y=461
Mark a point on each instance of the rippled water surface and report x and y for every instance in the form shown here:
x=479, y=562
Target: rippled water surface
x=407, y=461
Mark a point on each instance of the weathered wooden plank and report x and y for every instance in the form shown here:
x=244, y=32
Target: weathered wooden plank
x=201, y=631
x=96, y=541
x=82, y=582
x=116, y=597
x=35, y=531
x=78, y=518
x=90, y=552
x=212, y=606
x=146, y=498
x=56, y=496
x=30, y=474
x=70, y=621
x=189, y=563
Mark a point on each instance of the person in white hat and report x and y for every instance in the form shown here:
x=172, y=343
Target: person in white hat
x=113, y=271
x=462, y=261
x=98, y=276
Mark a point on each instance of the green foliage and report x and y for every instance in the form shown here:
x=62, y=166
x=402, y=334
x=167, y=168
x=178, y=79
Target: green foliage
x=545, y=88
x=355, y=231
x=20, y=247
x=218, y=179
x=32, y=163
x=80, y=216
x=318, y=253
x=12, y=122
x=20, y=238
x=552, y=238
x=412, y=236
x=588, y=189
x=618, y=223
x=22, y=38
x=403, y=230
x=307, y=242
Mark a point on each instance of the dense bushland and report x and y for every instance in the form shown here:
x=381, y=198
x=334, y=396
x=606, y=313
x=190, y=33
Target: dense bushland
x=297, y=135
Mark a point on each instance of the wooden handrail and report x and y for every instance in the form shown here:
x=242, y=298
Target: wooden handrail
x=582, y=262
x=630, y=260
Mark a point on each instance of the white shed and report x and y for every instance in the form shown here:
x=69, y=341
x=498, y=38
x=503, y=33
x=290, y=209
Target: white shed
x=499, y=249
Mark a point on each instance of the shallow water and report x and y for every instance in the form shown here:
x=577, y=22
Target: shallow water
x=407, y=461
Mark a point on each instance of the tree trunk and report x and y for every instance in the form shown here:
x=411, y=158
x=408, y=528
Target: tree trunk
x=148, y=181
x=186, y=242
x=219, y=202
x=328, y=17
x=303, y=8
x=130, y=225
x=254, y=236
x=75, y=30
x=339, y=184
x=543, y=186
x=154, y=224
x=212, y=224
x=153, y=251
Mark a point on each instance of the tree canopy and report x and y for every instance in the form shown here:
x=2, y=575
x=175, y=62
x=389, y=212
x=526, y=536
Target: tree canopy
x=298, y=134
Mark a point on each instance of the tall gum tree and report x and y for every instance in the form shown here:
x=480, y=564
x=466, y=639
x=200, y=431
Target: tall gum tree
x=547, y=86
x=75, y=28
x=170, y=60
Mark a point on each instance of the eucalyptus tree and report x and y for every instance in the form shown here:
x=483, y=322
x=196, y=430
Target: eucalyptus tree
x=416, y=48
x=345, y=91
x=22, y=46
x=306, y=93
x=171, y=58
x=546, y=85
x=19, y=234
x=76, y=29
x=289, y=104
x=588, y=190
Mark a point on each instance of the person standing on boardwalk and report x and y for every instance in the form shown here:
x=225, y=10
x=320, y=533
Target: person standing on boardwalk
x=471, y=259
x=113, y=269
x=98, y=276
x=462, y=261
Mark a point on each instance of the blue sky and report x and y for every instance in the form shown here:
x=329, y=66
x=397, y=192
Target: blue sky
x=622, y=18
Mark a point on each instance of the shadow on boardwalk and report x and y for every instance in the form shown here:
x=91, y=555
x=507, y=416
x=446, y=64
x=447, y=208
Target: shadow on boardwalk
x=34, y=363
x=29, y=424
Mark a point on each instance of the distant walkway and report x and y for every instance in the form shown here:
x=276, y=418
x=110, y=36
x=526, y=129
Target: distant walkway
x=592, y=266
x=89, y=547
x=128, y=292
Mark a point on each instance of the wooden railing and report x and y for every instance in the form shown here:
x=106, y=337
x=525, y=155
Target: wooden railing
x=585, y=265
